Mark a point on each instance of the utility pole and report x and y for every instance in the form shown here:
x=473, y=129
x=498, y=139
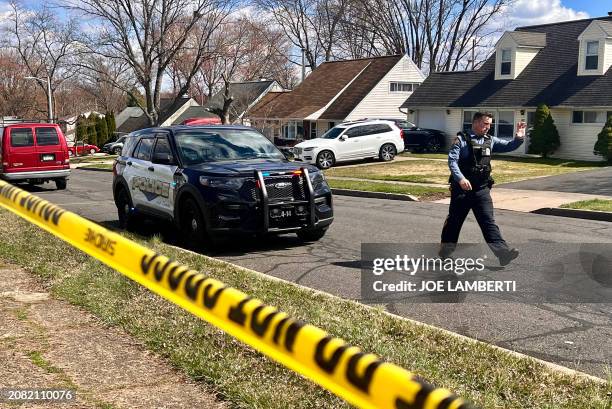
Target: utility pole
x=49, y=96
x=303, y=65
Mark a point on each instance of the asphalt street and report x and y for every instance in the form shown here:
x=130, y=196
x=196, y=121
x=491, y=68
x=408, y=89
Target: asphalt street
x=574, y=335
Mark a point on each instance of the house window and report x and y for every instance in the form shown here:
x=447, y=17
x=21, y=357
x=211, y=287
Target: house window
x=505, y=124
x=467, y=120
x=592, y=55
x=313, y=130
x=506, y=62
x=589, y=117
x=293, y=130
x=401, y=87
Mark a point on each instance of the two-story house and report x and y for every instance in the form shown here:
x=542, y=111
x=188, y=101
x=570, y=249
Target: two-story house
x=334, y=92
x=563, y=65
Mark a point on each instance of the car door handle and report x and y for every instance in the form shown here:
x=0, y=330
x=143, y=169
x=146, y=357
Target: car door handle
x=151, y=169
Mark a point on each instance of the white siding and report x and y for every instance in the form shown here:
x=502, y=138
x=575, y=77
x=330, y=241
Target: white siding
x=380, y=102
x=607, y=54
x=523, y=57
x=577, y=140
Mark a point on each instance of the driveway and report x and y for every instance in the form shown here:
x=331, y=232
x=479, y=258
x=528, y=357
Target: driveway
x=593, y=182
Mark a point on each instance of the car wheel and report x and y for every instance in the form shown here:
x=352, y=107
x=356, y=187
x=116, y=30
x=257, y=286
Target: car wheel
x=312, y=235
x=117, y=151
x=387, y=152
x=61, y=183
x=433, y=145
x=325, y=159
x=192, y=224
x=92, y=151
x=127, y=219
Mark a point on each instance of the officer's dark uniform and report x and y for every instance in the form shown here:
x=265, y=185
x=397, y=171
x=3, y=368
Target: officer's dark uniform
x=470, y=158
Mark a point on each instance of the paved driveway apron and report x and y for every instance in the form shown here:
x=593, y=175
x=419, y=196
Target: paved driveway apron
x=594, y=182
x=574, y=335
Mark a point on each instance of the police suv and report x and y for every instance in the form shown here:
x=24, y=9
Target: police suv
x=211, y=180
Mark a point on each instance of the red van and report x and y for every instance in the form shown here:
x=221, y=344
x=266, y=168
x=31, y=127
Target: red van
x=34, y=153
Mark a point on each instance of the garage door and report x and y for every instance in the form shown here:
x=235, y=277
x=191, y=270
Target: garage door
x=431, y=119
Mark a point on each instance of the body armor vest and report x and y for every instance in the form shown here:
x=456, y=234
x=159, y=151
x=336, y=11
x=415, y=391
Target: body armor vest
x=477, y=166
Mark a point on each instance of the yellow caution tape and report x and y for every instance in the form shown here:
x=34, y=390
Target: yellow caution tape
x=361, y=379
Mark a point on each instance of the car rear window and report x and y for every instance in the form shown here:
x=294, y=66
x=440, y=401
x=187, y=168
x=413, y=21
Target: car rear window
x=46, y=136
x=144, y=148
x=22, y=137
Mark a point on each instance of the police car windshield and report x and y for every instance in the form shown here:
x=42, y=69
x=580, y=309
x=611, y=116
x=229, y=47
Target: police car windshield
x=213, y=145
x=333, y=133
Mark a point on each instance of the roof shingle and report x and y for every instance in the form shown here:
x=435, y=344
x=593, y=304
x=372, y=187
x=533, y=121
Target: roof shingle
x=322, y=85
x=550, y=78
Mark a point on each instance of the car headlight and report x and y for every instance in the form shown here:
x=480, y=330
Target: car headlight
x=316, y=177
x=222, y=182
x=310, y=148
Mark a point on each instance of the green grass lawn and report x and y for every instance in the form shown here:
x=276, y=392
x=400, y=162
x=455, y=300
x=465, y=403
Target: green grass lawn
x=422, y=192
x=90, y=158
x=485, y=375
x=98, y=166
x=505, y=169
x=596, y=204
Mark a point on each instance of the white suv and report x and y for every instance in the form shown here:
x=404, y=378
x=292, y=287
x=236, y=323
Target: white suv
x=352, y=140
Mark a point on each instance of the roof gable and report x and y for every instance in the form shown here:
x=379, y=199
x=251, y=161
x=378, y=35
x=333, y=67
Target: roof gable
x=597, y=28
x=322, y=89
x=550, y=78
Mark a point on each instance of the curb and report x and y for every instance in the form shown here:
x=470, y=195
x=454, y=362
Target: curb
x=375, y=195
x=575, y=213
x=94, y=169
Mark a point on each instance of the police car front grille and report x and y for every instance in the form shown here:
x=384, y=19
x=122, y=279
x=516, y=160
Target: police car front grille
x=279, y=188
x=285, y=188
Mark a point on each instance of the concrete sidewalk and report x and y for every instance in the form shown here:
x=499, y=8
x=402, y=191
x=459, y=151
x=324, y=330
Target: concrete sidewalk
x=530, y=200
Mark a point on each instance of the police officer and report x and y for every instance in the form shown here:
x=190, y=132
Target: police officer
x=469, y=160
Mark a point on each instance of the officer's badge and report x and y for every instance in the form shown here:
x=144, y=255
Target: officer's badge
x=487, y=152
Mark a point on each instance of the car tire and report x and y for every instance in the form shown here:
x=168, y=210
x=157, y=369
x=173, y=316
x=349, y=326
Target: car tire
x=61, y=184
x=192, y=224
x=325, y=159
x=92, y=151
x=387, y=152
x=127, y=219
x=117, y=150
x=433, y=145
x=312, y=235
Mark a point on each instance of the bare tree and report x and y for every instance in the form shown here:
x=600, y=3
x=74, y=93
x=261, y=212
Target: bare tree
x=146, y=36
x=45, y=45
x=436, y=34
x=310, y=25
x=16, y=94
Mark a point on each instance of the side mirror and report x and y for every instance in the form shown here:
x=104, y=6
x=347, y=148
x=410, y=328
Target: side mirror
x=343, y=138
x=163, y=159
x=288, y=152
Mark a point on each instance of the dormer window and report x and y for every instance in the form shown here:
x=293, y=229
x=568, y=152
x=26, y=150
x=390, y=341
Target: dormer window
x=592, y=55
x=506, y=62
x=514, y=51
